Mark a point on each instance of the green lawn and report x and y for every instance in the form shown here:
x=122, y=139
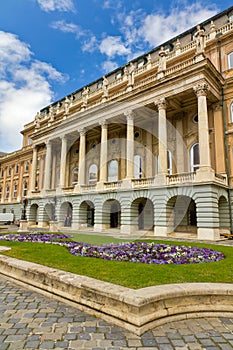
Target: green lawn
x=127, y=274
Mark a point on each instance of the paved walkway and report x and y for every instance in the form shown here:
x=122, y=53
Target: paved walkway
x=29, y=320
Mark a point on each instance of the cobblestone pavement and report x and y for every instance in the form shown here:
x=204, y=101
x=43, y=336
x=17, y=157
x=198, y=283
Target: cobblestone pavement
x=29, y=320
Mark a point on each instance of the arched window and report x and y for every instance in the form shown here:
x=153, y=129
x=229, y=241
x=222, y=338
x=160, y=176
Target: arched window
x=113, y=170
x=194, y=157
x=231, y=112
x=169, y=162
x=25, y=187
x=137, y=166
x=92, y=174
x=74, y=176
x=230, y=60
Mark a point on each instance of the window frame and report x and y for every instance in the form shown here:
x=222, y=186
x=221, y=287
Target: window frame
x=113, y=178
x=194, y=167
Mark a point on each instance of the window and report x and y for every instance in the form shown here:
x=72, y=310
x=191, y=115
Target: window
x=1, y=173
x=194, y=157
x=92, y=174
x=169, y=162
x=15, y=191
x=137, y=167
x=16, y=168
x=29, y=140
x=7, y=191
x=231, y=112
x=230, y=60
x=25, y=187
x=118, y=75
x=0, y=192
x=74, y=176
x=8, y=171
x=26, y=166
x=141, y=63
x=113, y=170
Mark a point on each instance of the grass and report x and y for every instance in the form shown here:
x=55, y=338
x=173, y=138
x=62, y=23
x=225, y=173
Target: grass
x=126, y=274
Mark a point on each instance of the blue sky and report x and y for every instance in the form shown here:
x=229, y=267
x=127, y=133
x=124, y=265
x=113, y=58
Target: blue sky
x=50, y=48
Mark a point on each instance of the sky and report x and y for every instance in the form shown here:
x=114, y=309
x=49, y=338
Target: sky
x=51, y=48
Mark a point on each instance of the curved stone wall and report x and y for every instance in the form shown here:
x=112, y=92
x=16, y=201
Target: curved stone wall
x=136, y=310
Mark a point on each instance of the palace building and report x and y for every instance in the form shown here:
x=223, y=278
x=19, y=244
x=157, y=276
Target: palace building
x=148, y=147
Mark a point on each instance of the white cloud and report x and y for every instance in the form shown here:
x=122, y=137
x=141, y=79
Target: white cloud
x=90, y=45
x=24, y=88
x=113, y=46
x=56, y=5
x=108, y=66
x=111, y=4
x=158, y=28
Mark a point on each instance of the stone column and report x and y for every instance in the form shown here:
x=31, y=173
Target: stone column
x=47, y=174
x=180, y=157
x=130, y=145
x=149, y=154
x=82, y=155
x=104, y=151
x=63, y=161
x=54, y=165
x=162, y=135
x=219, y=139
x=33, y=169
x=203, y=127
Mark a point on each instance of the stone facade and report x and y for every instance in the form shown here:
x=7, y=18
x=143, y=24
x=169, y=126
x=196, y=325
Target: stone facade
x=147, y=148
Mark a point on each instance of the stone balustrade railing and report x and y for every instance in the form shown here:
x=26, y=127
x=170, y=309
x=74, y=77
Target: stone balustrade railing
x=180, y=178
x=112, y=185
x=61, y=110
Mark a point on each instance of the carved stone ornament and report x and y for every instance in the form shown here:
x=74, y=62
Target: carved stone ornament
x=201, y=89
x=162, y=104
x=129, y=115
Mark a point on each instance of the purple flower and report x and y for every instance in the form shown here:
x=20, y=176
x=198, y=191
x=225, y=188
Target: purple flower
x=139, y=252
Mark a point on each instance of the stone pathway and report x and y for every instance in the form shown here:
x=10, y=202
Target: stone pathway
x=29, y=321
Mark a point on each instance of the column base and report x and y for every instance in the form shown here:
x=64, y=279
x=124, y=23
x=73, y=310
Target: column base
x=160, y=231
x=128, y=229
x=53, y=226
x=208, y=234
x=23, y=224
x=100, y=227
x=205, y=174
x=161, y=179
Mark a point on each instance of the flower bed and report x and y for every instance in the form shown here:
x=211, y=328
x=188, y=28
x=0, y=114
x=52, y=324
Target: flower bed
x=138, y=252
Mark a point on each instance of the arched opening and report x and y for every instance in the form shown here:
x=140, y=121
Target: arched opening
x=111, y=214
x=74, y=179
x=87, y=214
x=66, y=214
x=142, y=214
x=224, y=217
x=48, y=213
x=181, y=214
x=92, y=174
x=33, y=214
x=137, y=166
x=194, y=157
x=113, y=170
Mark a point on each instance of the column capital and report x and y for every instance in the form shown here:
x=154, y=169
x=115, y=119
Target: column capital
x=129, y=115
x=103, y=123
x=217, y=106
x=162, y=104
x=82, y=131
x=201, y=89
x=48, y=143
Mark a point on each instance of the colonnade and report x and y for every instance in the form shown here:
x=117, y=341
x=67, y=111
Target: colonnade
x=203, y=135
